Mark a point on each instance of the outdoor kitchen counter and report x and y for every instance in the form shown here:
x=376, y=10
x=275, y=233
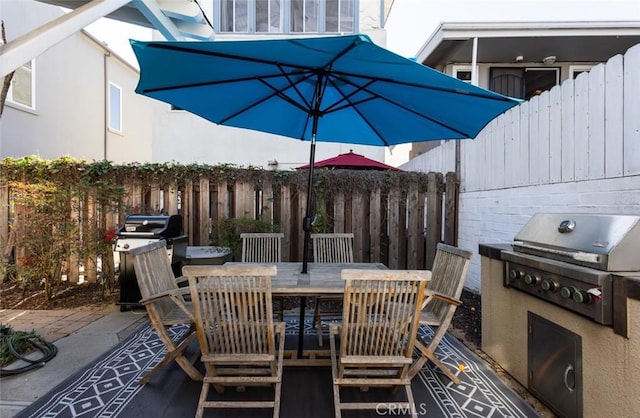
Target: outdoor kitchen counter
x=493, y=250
x=610, y=362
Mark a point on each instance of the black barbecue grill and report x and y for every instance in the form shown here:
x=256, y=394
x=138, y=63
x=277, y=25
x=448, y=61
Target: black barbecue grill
x=139, y=230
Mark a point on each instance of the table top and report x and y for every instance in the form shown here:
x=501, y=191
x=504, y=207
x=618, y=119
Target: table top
x=320, y=279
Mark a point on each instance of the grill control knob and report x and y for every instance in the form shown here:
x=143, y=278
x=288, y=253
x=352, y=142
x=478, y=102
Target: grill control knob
x=549, y=285
x=567, y=292
x=580, y=296
x=515, y=275
x=531, y=279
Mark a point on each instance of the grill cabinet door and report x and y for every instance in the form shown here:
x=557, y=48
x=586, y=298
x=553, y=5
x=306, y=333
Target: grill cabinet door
x=555, y=366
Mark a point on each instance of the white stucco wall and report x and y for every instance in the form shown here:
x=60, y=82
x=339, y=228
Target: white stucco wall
x=69, y=116
x=183, y=137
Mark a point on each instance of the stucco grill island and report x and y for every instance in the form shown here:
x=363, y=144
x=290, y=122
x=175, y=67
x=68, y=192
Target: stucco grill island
x=558, y=310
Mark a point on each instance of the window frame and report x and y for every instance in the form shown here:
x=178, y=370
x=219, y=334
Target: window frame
x=11, y=101
x=455, y=69
x=285, y=18
x=119, y=129
x=579, y=69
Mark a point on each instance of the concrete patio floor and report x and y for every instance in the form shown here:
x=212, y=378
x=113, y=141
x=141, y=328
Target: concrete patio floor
x=81, y=335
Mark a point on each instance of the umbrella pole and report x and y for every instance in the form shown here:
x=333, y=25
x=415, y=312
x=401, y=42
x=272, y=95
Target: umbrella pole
x=306, y=226
x=307, y=222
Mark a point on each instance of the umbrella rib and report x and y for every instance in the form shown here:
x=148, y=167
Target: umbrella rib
x=342, y=75
x=354, y=105
x=275, y=92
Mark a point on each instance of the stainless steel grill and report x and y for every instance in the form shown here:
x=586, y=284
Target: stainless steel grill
x=569, y=260
x=139, y=230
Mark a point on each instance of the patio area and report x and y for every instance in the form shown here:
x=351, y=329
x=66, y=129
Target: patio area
x=107, y=382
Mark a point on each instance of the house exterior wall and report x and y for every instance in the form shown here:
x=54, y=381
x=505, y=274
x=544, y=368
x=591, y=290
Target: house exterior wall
x=575, y=148
x=69, y=116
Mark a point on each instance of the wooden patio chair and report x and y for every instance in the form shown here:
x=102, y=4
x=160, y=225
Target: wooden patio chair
x=330, y=248
x=165, y=304
x=377, y=335
x=236, y=332
x=264, y=247
x=260, y=247
x=442, y=297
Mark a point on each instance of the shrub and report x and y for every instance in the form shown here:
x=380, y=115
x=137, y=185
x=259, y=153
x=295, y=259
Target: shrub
x=226, y=232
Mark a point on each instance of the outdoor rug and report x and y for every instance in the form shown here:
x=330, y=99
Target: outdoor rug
x=108, y=387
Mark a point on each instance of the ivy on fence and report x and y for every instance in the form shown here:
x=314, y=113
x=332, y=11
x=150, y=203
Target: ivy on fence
x=59, y=216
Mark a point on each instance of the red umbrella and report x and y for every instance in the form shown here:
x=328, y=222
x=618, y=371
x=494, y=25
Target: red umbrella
x=353, y=161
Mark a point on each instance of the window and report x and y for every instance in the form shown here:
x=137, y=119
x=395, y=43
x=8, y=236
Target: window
x=285, y=16
x=575, y=70
x=22, y=88
x=464, y=75
x=523, y=83
x=115, y=108
x=463, y=72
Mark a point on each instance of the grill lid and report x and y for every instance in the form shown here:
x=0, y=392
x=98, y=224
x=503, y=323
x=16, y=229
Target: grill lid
x=603, y=241
x=151, y=226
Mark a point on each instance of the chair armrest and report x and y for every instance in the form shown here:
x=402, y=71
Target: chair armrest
x=176, y=295
x=431, y=294
x=173, y=293
x=182, y=279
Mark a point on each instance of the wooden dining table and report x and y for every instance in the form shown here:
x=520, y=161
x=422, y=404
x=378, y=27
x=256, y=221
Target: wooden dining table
x=321, y=279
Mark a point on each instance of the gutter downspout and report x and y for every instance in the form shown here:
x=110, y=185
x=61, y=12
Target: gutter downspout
x=105, y=130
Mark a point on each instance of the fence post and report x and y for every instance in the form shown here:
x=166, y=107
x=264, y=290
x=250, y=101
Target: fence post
x=187, y=210
x=285, y=221
x=415, y=233
x=452, y=190
x=359, y=219
x=396, y=228
x=171, y=199
x=375, y=225
x=338, y=212
x=434, y=215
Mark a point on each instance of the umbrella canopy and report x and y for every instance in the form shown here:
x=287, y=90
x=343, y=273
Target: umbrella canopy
x=351, y=160
x=337, y=89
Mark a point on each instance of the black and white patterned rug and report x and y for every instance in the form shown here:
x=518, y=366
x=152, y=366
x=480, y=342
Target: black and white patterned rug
x=108, y=387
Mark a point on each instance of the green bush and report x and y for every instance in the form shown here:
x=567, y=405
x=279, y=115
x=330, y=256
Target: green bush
x=226, y=232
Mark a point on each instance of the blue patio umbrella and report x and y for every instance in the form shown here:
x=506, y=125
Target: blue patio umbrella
x=336, y=89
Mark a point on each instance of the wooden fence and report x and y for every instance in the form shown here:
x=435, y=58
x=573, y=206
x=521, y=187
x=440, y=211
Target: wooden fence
x=399, y=228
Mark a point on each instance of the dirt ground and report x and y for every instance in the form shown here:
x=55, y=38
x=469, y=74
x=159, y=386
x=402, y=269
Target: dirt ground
x=68, y=297
x=466, y=326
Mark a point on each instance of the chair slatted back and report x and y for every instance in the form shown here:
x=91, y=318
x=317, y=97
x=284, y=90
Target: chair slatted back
x=262, y=247
x=166, y=306
x=449, y=272
x=333, y=247
x=381, y=312
x=232, y=307
x=154, y=275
